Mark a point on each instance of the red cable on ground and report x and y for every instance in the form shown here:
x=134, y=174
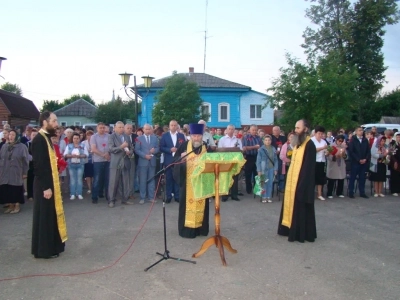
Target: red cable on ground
x=96, y=270
x=103, y=268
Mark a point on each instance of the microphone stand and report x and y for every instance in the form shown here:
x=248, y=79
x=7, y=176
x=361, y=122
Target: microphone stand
x=165, y=255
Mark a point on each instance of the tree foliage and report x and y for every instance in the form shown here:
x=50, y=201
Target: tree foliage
x=12, y=88
x=75, y=97
x=321, y=91
x=179, y=100
x=114, y=111
x=52, y=105
x=354, y=31
x=387, y=104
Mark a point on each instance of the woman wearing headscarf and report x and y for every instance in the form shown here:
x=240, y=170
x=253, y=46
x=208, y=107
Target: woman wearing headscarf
x=336, y=168
x=14, y=165
x=395, y=165
x=378, y=167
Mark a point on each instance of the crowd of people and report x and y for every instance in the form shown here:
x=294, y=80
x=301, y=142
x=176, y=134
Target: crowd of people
x=125, y=161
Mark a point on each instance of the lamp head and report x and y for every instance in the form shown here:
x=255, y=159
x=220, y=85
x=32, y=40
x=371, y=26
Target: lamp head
x=125, y=78
x=148, y=80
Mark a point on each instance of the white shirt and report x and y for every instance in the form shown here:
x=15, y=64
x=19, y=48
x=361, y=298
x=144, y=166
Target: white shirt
x=227, y=142
x=321, y=154
x=76, y=152
x=174, y=136
x=208, y=139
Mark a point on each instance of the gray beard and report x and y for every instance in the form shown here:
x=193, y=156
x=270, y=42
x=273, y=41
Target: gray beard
x=298, y=139
x=197, y=144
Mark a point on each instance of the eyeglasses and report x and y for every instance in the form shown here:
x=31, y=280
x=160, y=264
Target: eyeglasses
x=339, y=141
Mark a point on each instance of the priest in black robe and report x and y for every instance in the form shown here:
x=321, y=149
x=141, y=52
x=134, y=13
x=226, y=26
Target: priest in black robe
x=297, y=219
x=49, y=229
x=196, y=146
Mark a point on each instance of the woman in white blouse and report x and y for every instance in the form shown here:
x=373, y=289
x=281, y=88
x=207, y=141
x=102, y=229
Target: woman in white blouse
x=321, y=145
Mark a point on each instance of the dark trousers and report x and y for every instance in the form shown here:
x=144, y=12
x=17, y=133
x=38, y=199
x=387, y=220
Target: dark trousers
x=281, y=177
x=233, y=192
x=101, y=174
x=29, y=183
x=250, y=171
x=171, y=185
x=339, y=187
x=357, y=170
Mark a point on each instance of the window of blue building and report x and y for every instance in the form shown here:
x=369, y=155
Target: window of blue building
x=255, y=111
x=206, y=109
x=223, y=112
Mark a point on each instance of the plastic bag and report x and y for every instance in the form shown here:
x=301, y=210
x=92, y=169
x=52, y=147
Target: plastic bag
x=258, y=190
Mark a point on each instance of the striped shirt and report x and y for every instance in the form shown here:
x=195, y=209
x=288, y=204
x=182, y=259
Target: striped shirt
x=250, y=140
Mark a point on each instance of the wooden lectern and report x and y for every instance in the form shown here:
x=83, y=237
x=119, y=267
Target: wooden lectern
x=218, y=240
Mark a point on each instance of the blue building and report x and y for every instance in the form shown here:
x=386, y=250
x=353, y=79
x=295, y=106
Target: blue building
x=227, y=102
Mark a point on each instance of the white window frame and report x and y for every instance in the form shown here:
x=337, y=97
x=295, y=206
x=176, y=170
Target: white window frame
x=64, y=123
x=228, y=112
x=77, y=123
x=255, y=112
x=209, y=110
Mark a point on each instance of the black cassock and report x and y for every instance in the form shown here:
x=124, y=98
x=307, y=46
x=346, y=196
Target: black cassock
x=46, y=239
x=180, y=176
x=303, y=226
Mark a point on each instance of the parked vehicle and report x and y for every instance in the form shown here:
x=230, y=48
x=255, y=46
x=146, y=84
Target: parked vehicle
x=380, y=127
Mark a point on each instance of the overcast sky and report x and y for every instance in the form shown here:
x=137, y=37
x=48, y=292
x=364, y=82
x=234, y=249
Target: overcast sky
x=59, y=48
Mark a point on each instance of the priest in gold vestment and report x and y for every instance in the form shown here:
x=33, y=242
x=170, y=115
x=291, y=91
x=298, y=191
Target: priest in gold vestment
x=49, y=231
x=297, y=220
x=193, y=214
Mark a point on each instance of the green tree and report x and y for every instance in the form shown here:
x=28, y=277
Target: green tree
x=51, y=105
x=75, y=97
x=333, y=21
x=12, y=88
x=179, y=100
x=355, y=32
x=321, y=91
x=365, y=50
x=114, y=111
x=387, y=104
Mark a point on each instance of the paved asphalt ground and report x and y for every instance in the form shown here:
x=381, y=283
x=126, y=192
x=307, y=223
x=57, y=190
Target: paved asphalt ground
x=356, y=254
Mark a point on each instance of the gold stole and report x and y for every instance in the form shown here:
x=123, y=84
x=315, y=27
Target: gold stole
x=291, y=183
x=61, y=224
x=194, y=208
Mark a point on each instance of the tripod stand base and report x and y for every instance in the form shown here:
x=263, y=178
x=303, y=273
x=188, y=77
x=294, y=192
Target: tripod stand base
x=166, y=256
x=219, y=241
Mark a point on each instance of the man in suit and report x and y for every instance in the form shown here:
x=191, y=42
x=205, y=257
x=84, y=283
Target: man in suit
x=146, y=147
x=360, y=154
x=132, y=137
x=169, y=144
x=121, y=149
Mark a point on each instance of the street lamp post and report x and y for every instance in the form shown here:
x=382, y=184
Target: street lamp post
x=125, y=82
x=1, y=59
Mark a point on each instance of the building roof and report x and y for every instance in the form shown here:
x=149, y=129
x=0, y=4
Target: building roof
x=390, y=120
x=203, y=80
x=79, y=107
x=19, y=106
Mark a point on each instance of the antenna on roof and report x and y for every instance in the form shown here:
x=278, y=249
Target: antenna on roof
x=205, y=39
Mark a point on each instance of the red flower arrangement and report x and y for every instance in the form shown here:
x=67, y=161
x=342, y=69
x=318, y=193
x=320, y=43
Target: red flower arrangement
x=332, y=150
